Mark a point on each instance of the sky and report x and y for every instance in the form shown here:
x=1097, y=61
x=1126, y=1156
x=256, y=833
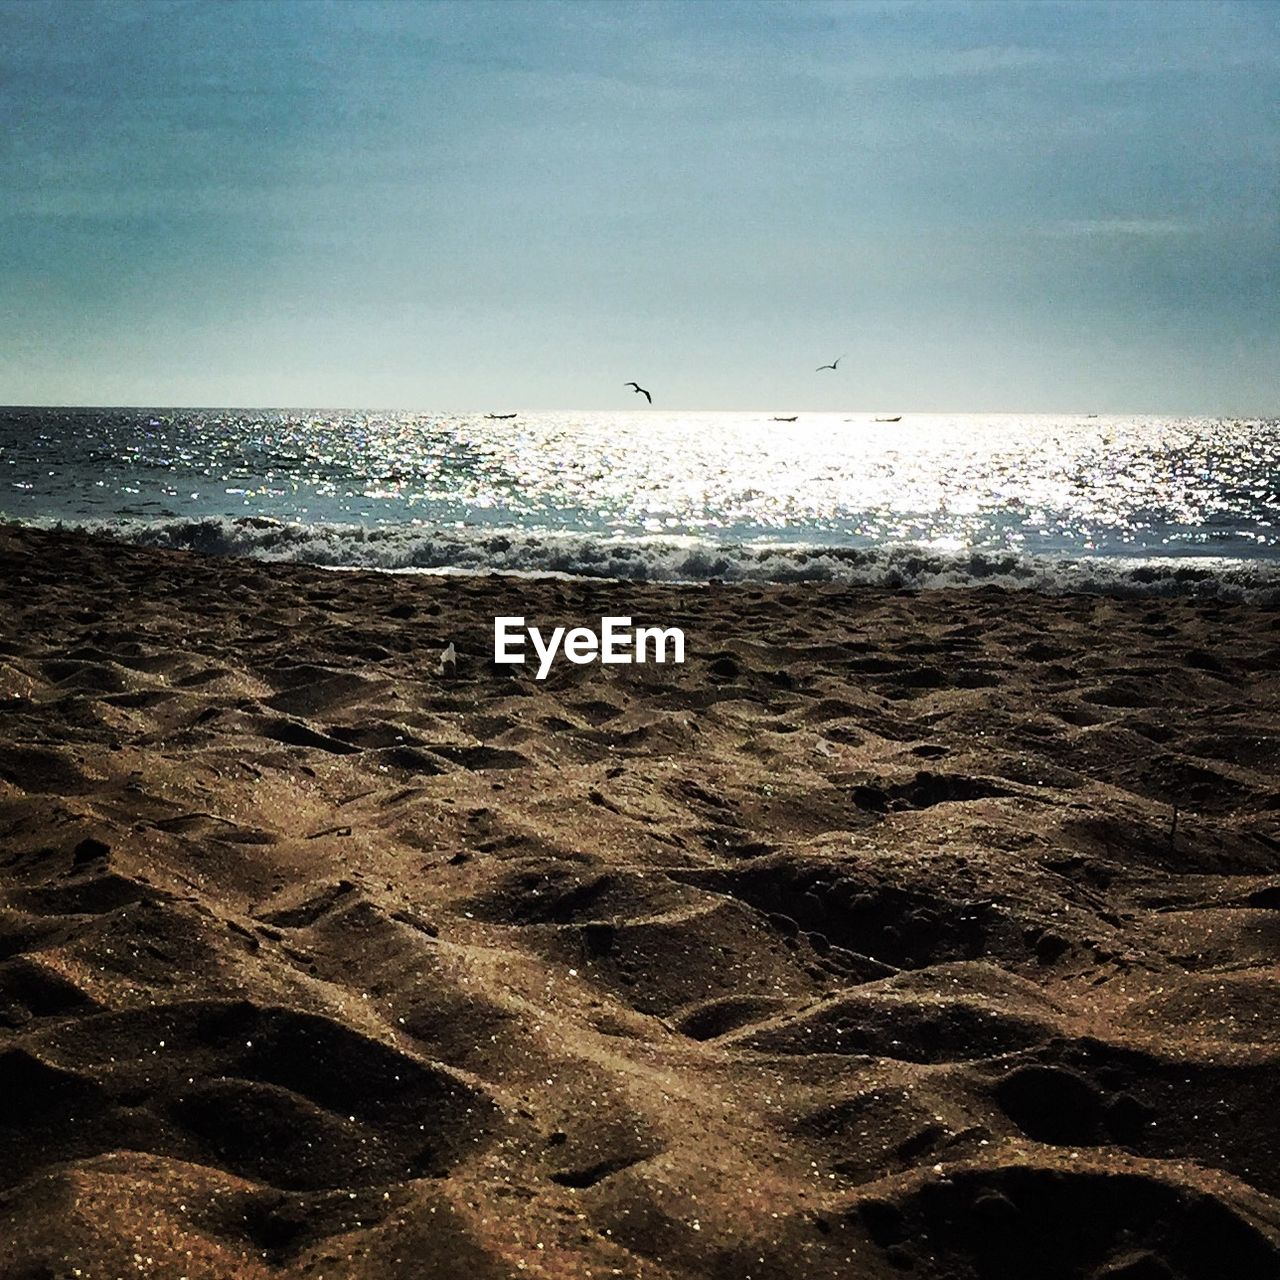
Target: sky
x=516, y=206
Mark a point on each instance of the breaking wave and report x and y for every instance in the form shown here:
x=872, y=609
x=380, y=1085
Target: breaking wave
x=409, y=548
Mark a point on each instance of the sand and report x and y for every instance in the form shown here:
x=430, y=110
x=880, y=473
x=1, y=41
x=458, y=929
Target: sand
x=861, y=945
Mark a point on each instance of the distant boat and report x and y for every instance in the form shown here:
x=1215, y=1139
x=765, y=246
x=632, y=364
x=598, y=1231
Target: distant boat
x=791, y=419
x=499, y=415
x=1090, y=415
x=897, y=419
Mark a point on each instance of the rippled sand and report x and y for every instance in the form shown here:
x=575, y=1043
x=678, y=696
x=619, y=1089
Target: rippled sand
x=865, y=943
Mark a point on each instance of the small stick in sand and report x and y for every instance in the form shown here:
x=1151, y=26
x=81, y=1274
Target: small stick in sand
x=449, y=661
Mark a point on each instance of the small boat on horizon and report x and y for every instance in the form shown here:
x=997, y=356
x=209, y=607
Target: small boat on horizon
x=790, y=419
x=897, y=419
x=499, y=415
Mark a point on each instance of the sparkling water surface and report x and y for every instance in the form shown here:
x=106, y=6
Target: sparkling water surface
x=1032, y=485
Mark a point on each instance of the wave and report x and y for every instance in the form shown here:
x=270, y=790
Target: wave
x=410, y=548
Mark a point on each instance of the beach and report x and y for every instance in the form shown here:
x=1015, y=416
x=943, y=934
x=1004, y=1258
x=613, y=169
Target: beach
x=893, y=932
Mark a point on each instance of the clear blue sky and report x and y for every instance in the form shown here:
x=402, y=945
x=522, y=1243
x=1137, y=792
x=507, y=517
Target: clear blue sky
x=523, y=205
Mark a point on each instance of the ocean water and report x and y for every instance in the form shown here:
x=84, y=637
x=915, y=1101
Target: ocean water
x=1055, y=502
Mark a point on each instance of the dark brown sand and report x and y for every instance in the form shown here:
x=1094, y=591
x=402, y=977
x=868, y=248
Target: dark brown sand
x=860, y=945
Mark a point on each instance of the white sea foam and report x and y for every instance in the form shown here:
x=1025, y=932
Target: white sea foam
x=411, y=548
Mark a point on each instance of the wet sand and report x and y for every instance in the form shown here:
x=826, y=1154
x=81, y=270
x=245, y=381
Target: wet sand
x=863, y=944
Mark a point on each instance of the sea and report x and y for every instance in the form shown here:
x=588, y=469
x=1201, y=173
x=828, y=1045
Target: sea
x=1116, y=504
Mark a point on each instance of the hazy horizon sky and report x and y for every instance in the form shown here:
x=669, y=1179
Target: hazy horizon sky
x=519, y=206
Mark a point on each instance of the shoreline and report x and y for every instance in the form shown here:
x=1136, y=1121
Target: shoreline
x=864, y=942
x=680, y=561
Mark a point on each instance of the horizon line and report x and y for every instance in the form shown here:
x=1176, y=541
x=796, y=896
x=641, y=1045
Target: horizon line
x=646, y=409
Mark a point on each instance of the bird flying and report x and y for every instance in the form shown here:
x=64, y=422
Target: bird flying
x=639, y=390
x=832, y=365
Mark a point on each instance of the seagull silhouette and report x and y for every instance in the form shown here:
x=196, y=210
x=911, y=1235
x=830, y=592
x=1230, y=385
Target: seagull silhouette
x=832, y=365
x=639, y=390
